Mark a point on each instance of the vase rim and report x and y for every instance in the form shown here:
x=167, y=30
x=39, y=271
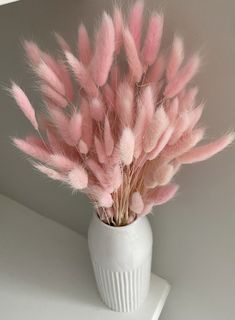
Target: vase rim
x=121, y=228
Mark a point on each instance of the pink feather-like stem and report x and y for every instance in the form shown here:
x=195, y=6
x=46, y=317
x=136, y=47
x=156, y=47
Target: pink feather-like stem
x=204, y=152
x=108, y=138
x=118, y=27
x=127, y=146
x=78, y=178
x=135, y=21
x=51, y=173
x=104, y=50
x=84, y=47
x=82, y=75
x=182, y=77
x=136, y=203
x=152, y=39
x=47, y=75
x=75, y=127
x=163, y=194
x=175, y=59
x=24, y=104
x=32, y=149
x=132, y=56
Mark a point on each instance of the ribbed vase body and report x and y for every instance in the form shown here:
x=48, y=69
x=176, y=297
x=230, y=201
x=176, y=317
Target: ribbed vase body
x=121, y=258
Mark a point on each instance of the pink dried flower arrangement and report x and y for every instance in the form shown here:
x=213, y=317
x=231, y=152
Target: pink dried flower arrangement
x=118, y=136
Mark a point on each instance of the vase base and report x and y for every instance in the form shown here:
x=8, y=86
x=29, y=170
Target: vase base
x=123, y=291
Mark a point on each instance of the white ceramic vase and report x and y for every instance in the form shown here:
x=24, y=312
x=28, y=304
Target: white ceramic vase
x=121, y=258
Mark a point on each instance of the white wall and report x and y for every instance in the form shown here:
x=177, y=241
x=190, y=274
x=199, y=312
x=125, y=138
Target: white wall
x=194, y=234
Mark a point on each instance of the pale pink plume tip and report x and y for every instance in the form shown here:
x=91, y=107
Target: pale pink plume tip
x=82, y=75
x=206, y=151
x=135, y=22
x=184, y=75
x=84, y=47
x=118, y=26
x=108, y=138
x=32, y=149
x=51, y=173
x=127, y=146
x=176, y=58
x=136, y=203
x=24, y=104
x=104, y=50
x=132, y=55
x=152, y=39
x=163, y=194
x=33, y=52
x=75, y=127
x=78, y=178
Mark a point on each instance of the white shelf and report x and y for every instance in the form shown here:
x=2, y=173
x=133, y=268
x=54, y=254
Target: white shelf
x=45, y=272
x=7, y=1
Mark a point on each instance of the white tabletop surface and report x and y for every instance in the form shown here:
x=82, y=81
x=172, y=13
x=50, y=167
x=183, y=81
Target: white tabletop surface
x=46, y=274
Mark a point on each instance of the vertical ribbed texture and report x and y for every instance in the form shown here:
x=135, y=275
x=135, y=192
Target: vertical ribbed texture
x=123, y=291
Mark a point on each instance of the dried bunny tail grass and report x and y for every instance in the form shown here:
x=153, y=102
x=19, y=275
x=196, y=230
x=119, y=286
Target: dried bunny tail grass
x=51, y=173
x=188, y=100
x=173, y=109
x=195, y=115
x=82, y=75
x=83, y=147
x=53, y=95
x=108, y=138
x=47, y=75
x=132, y=56
x=102, y=197
x=139, y=129
x=87, y=124
x=155, y=129
x=159, y=176
x=109, y=96
x=31, y=149
x=152, y=39
x=182, y=124
x=60, y=162
x=61, y=71
x=187, y=142
x=97, y=109
x=185, y=74
x=125, y=104
x=83, y=45
x=117, y=178
x=128, y=124
x=127, y=146
x=136, y=203
x=163, y=194
x=135, y=22
x=62, y=43
x=100, y=150
x=176, y=58
x=98, y=172
x=147, y=99
x=61, y=122
x=78, y=178
x=33, y=52
x=118, y=27
x=156, y=71
x=206, y=151
x=24, y=104
x=75, y=127
x=104, y=50
x=163, y=141
x=54, y=141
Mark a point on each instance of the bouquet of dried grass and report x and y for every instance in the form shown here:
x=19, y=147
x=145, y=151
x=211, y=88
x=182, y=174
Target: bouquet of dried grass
x=124, y=127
